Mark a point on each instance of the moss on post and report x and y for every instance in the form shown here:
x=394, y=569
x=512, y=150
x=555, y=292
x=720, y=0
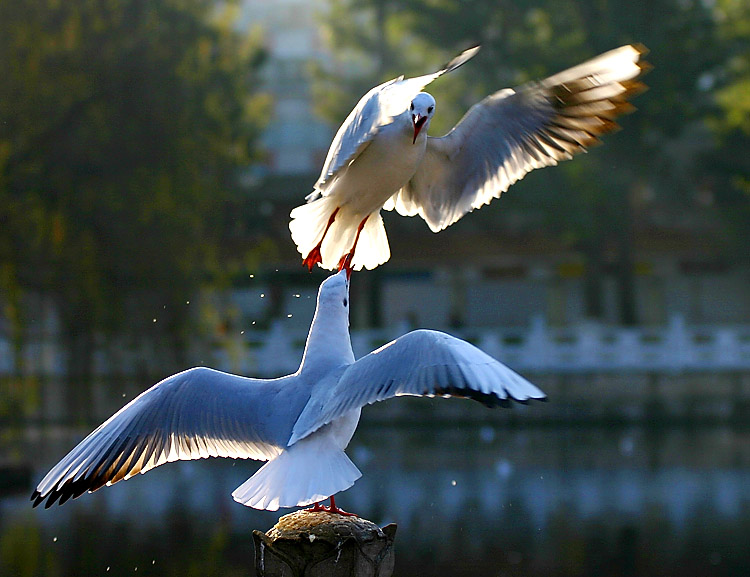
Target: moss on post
x=321, y=544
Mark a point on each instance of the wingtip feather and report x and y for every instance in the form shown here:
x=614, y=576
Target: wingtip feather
x=461, y=59
x=641, y=49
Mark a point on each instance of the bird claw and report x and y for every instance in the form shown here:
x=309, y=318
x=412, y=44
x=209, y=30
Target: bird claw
x=346, y=263
x=313, y=258
x=318, y=508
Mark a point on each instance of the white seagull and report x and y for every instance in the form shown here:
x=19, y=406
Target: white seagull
x=300, y=423
x=381, y=156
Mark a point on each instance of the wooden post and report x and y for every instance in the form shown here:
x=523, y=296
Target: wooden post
x=322, y=544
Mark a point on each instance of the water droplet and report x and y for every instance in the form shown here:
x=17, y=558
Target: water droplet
x=242, y=332
x=252, y=276
x=187, y=302
x=154, y=320
x=262, y=295
x=54, y=539
x=289, y=316
x=107, y=569
x=453, y=483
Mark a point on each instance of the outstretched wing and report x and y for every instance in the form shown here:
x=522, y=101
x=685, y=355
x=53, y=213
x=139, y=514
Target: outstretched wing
x=194, y=414
x=420, y=363
x=512, y=132
x=376, y=109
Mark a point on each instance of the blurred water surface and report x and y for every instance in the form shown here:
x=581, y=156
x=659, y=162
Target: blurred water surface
x=469, y=499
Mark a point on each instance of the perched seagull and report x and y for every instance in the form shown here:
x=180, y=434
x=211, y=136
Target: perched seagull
x=300, y=423
x=381, y=157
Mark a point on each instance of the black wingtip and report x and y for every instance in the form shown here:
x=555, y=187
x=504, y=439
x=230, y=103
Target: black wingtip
x=489, y=400
x=38, y=499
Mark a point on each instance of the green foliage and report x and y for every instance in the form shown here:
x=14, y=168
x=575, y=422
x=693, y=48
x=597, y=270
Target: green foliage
x=121, y=125
x=729, y=165
x=21, y=551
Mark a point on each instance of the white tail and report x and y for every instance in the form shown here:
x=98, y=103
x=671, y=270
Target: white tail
x=310, y=471
x=308, y=227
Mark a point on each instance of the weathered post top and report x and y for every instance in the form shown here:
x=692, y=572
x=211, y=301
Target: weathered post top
x=322, y=544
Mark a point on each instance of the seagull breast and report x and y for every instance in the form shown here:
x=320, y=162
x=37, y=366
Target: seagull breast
x=383, y=168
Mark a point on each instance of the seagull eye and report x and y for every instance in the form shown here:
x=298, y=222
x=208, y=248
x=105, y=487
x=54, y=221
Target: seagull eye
x=429, y=110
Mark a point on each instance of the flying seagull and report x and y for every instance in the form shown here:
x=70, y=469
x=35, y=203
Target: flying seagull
x=381, y=156
x=300, y=423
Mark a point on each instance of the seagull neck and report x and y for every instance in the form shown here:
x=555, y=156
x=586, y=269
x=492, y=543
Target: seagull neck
x=328, y=342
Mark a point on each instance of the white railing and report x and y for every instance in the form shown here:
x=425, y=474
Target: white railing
x=587, y=347
x=539, y=348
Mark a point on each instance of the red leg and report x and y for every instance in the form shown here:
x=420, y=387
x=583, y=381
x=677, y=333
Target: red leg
x=314, y=257
x=346, y=260
x=334, y=509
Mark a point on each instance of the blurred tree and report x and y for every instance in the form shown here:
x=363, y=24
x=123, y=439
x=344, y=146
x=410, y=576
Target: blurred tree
x=121, y=126
x=729, y=164
x=591, y=203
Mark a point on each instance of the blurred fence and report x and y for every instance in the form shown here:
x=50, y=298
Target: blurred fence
x=538, y=348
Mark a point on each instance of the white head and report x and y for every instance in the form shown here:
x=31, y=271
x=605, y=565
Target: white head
x=328, y=342
x=422, y=109
x=333, y=294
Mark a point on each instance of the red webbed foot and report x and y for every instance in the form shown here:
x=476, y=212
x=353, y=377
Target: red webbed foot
x=346, y=264
x=317, y=508
x=313, y=258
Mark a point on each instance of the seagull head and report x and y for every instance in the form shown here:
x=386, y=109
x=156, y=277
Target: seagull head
x=334, y=293
x=422, y=109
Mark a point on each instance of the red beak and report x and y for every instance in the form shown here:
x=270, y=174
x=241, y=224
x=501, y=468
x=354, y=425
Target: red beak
x=418, y=124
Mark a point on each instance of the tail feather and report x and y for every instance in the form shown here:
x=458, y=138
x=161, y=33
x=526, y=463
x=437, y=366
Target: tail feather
x=338, y=240
x=309, y=223
x=308, y=228
x=372, y=247
x=304, y=474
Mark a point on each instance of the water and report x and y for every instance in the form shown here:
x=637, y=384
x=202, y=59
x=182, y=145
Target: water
x=469, y=499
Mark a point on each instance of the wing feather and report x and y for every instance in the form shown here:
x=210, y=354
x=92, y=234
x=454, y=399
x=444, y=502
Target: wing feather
x=421, y=363
x=192, y=415
x=512, y=132
x=375, y=110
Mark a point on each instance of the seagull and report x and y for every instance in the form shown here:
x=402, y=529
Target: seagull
x=300, y=423
x=381, y=156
